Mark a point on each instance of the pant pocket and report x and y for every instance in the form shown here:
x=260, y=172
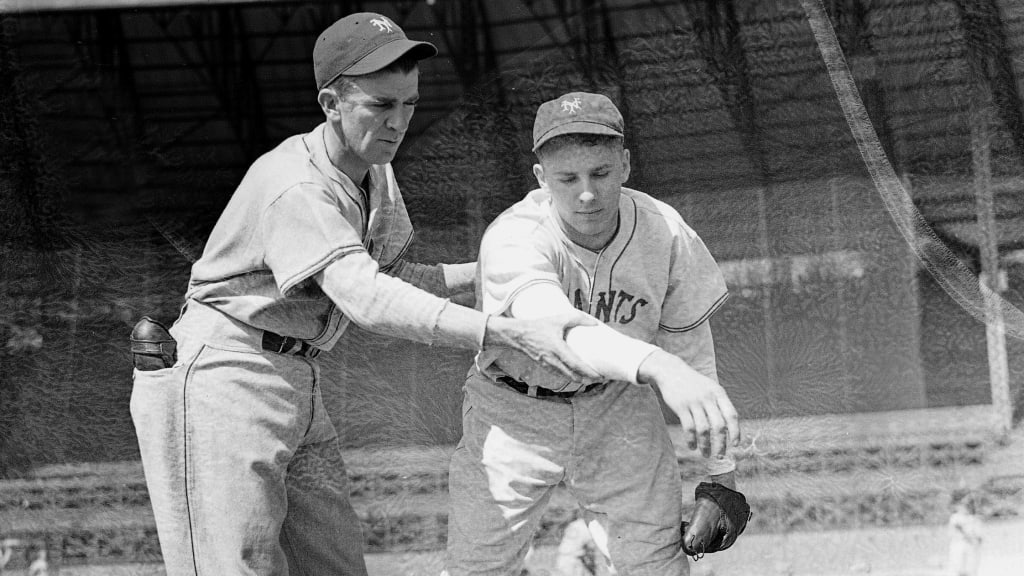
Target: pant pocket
x=153, y=390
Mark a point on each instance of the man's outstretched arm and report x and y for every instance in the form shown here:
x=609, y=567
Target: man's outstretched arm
x=455, y=281
x=390, y=306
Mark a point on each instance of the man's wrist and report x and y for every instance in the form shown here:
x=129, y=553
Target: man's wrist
x=496, y=331
x=461, y=327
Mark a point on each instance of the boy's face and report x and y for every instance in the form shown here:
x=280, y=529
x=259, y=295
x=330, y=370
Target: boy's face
x=585, y=182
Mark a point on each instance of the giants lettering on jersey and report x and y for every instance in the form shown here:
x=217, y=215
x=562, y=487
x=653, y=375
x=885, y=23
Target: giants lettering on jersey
x=612, y=306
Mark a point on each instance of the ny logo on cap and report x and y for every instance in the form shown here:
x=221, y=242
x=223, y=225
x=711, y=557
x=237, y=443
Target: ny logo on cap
x=571, y=106
x=382, y=25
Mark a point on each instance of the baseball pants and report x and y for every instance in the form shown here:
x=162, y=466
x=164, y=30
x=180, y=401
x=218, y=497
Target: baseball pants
x=242, y=462
x=609, y=446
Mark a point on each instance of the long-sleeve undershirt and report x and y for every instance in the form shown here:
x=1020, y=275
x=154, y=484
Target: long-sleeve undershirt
x=391, y=306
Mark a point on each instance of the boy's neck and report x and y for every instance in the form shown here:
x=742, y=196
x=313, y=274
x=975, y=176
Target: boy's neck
x=592, y=243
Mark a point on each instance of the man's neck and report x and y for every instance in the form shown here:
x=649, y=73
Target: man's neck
x=343, y=159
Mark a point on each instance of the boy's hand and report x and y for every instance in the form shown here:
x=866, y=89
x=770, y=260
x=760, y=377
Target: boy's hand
x=706, y=414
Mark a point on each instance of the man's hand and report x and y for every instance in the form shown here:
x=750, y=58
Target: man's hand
x=460, y=282
x=706, y=414
x=543, y=341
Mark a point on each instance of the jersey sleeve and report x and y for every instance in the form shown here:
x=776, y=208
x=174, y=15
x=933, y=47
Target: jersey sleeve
x=303, y=231
x=515, y=253
x=429, y=277
x=696, y=286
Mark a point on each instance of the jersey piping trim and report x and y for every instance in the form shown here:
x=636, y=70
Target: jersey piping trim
x=318, y=266
x=401, y=254
x=334, y=318
x=629, y=239
x=714, y=308
x=319, y=155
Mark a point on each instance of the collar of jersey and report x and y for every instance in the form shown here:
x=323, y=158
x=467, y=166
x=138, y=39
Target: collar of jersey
x=618, y=243
x=317, y=144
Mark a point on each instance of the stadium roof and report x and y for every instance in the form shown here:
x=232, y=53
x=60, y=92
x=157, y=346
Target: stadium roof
x=19, y=6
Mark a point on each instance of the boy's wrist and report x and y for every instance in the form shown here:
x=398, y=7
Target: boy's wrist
x=727, y=479
x=660, y=368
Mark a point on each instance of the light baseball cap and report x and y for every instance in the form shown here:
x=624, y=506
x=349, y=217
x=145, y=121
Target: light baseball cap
x=360, y=44
x=576, y=113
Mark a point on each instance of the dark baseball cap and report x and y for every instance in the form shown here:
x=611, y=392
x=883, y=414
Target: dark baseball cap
x=576, y=113
x=360, y=44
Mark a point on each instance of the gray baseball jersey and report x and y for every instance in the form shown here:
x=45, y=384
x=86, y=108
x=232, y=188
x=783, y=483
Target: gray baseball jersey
x=302, y=221
x=654, y=281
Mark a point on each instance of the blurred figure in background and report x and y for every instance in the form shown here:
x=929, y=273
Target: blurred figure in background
x=40, y=566
x=577, y=551
x=965, y=528
x=5, y=552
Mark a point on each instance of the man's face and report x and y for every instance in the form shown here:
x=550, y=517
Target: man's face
x=585, y=182
x=375, y=114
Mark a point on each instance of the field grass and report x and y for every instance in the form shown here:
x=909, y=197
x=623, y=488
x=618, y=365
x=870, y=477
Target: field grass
x=829, y=497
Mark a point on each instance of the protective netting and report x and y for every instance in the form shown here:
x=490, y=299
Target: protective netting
x=803, y=177
x=853, y=166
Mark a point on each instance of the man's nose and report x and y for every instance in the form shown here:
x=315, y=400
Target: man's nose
x=399, y=118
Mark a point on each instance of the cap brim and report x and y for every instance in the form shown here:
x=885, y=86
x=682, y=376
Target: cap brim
x=576, y=128
x=383, y=56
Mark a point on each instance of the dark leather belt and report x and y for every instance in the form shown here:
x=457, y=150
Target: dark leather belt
x=524, y=388
x=288, y=345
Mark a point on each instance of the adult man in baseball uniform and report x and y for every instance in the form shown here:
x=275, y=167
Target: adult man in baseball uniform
x=584, y=241
x=242, y=461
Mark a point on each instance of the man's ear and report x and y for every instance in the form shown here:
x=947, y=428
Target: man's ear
x=538, y=173
x=329, y=103
x=625, y=165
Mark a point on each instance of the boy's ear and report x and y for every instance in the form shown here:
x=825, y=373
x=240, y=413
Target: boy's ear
x=625, y=165
x=538, y=173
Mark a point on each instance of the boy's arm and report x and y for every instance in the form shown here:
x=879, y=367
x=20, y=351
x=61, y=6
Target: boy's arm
x=614, y=355
x=390, y=306
x=696, y=291
x=697, y=348
x=705, y=412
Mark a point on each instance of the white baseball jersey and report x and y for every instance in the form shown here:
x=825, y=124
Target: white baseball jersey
x=654, y=280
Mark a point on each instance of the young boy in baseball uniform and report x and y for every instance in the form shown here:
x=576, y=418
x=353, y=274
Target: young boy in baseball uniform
x=242, y=462
x=582, y=240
